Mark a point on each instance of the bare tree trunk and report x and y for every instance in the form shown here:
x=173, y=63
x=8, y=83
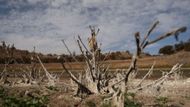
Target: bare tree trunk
x=96, y=80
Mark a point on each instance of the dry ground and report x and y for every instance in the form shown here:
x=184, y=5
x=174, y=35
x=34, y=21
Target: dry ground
x=171, y=94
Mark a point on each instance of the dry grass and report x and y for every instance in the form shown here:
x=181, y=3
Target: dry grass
x=146, y=62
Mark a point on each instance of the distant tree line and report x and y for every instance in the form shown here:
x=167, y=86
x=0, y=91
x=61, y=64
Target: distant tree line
x=171, y=49
x=23, y=56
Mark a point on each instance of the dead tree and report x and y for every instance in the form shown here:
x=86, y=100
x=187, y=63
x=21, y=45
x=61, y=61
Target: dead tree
x=96, y=79
x=92, y=42
x=51, y=79
x=9, y=58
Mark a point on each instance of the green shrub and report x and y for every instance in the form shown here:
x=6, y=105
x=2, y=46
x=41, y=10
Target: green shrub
x=162, y=101
x=28, y=101
x=130, y=102
x=12, y=101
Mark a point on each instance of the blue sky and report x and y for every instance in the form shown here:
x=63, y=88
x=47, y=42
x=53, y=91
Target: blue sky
x=43, y=23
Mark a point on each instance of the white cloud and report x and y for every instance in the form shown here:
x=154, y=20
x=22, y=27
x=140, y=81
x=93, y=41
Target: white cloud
x=49, y=21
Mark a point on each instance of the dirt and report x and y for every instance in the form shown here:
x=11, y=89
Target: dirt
x=174, y=93
x=171, y=94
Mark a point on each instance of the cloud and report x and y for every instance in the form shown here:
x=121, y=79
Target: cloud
x=43, y=23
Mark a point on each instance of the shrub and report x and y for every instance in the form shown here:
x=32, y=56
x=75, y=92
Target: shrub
x=161, y=101
x=130, y=102
x=29, y=101
x=187, y=46
x=166, y=50
x=179, y=47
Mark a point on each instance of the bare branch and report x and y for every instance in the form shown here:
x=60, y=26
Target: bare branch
x=97, y=32
x=135, y=56
x=137, y=38
x=87, y=60
x=148, y=73
x=83, y=44
x=51, y=79
x=69, y=50
x=149, y=31
x=174, y=33
x=76, y=80
x=174, y=69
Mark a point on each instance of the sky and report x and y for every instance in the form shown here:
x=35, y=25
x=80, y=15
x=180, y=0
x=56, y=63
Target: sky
x=44, y=23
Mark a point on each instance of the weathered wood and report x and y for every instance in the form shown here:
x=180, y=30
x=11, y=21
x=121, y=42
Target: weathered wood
x=51, y=79
x=149, y=32
x=79, y=38
x=81, y=86
x=96, y=80
x=147, y=74
x=171, y=33
x=159, y=81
